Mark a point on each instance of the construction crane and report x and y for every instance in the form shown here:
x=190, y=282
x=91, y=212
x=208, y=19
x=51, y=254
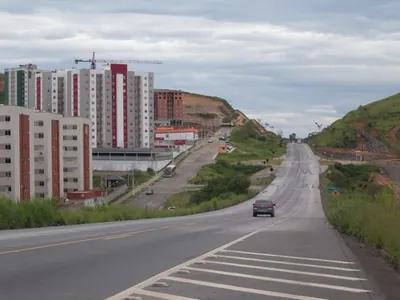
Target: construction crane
x=93, y=61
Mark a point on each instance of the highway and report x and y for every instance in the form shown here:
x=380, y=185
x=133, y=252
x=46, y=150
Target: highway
x=186, y=170
x=225, y=254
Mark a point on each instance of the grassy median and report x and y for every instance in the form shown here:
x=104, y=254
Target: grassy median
x=364, y=210
x=44, y=213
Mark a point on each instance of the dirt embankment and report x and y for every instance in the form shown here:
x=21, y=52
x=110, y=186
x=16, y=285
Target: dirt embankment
x=204, y=109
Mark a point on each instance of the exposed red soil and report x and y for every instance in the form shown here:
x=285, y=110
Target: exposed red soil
x=391, y=135
x=374, y=133
x=380, y=179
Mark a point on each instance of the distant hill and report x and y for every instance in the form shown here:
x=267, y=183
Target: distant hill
x=373, y=127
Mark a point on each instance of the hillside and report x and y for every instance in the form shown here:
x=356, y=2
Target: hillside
x=202, y=109
x=372, y=128
x=253, y=144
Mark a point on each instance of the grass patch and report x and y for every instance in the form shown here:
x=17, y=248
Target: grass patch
x=250, y=144
x=371, y=213
x=222, y=169
x=262, y=180
x=44, y=213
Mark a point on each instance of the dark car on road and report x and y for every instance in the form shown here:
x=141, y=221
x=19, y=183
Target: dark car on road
x=263, y=207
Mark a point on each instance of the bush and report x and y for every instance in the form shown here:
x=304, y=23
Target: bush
x=232, y=184
x=372, y=215
x=350, y=176
x=151, y=171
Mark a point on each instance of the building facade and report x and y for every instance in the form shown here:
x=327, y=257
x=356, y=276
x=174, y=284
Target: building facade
x=119, y=103
x=168, y=106
x=19, y=85
x=43, y=155
x=170, y=137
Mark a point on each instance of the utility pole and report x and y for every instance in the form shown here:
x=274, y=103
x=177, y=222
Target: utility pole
x=133, y=176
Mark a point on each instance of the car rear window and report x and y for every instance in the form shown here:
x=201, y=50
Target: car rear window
x=264, y=201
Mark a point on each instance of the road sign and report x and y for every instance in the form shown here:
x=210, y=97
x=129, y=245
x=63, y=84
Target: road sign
x=331, y=189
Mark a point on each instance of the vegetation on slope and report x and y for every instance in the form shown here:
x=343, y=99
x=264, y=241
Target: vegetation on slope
x=250, y=144
x=378, y=118
x=364, y=210
x=223, y=181
x=222, y=169
x=206, y=116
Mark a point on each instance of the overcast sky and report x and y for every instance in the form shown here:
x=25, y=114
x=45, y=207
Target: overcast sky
x=289, y=62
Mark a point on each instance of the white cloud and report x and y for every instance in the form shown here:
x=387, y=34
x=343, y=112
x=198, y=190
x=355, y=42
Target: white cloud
x=300, y=63
x=321, y=109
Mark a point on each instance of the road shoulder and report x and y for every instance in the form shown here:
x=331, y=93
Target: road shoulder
x=380, y=274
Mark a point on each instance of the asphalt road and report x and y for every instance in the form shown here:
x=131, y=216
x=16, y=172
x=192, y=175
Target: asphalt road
x=185, y=171
x=226, y=254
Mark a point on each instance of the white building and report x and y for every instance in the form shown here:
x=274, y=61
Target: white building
x=36, y=152
x=119, y=103
x=170, y=136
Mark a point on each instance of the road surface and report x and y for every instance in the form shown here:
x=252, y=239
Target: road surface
x=225, y=254
x=185, y=171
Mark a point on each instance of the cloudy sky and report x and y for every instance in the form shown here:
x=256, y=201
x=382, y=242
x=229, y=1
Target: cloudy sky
x=289, y=62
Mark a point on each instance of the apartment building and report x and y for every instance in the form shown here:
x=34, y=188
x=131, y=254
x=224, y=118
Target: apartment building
x=39, y=152
x=19, y=85
x=168, y=106
x=119, y=103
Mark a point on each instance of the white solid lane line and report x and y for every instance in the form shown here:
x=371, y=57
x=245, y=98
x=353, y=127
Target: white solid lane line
x=282, y=270
x=285, y=263
x=295, y=282
x=290, y=257
x=159, y=295
x=241, y=289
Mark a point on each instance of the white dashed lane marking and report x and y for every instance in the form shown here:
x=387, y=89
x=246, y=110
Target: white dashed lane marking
x=286, y=263
x=218, y=274
x=211, y=264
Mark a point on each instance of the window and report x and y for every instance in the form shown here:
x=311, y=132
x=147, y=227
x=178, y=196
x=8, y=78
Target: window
x=7, y=132
x=7, y=119
x=7, y=160
x=7, y=147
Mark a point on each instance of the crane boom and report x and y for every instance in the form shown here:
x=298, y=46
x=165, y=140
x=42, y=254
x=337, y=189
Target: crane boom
x=93, y=61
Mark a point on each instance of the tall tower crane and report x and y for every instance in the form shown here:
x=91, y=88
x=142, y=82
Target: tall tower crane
x=93, y=61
